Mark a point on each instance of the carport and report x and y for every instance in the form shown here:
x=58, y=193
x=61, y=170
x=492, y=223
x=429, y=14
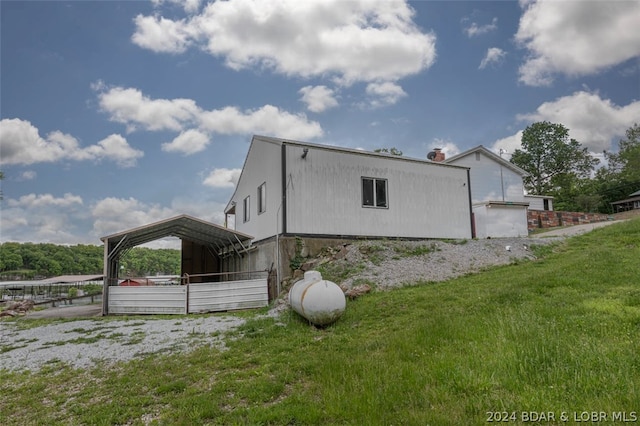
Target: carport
x=210, y=270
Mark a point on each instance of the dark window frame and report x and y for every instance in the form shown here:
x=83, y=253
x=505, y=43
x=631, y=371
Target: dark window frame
x=246, y=209
x=375, y=192
x=262, y=198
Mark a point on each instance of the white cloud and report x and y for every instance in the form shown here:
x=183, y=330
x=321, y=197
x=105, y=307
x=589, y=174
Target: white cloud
x=591, y=120
x=267, y=120
x=116, y=148
x=112, y=215
x=475, y=30
x=351, y=40
x=65, y=220
x=222, y=178
x=576, y=37
x=448, y=148
x=508, y=144
x=21, y=143
x=188, y=142
x=27, y=175
x=384, y=94
x=162, y=35
x=43, y=218
x=494, y=55
x=133, y=109
x=318, y=98
x=44, y=200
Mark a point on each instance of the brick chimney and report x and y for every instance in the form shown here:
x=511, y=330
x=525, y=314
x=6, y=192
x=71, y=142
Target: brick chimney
x=436, y=155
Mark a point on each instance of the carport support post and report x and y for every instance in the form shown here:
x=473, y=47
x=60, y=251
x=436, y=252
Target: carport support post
x=110, y=271
x=105, y=280
x=185, y=281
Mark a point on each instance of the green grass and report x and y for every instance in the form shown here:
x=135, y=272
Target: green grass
x=421, y=250
x=560, y=334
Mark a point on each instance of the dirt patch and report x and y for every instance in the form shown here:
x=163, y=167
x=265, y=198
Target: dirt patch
x=81, y=311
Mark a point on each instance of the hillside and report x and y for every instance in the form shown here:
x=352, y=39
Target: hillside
x=21, y=261
x=556, y=335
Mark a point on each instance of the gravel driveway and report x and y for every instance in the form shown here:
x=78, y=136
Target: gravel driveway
x=83, y=343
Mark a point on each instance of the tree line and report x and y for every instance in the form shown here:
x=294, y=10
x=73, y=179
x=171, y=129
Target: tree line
x=31, y=260
x=560, y=166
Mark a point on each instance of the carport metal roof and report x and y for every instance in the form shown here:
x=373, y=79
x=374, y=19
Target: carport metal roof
x=184, y=227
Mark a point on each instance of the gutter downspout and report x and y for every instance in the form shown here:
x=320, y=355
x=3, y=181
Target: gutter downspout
x=471, y=218
x=283, y=208
x=284, y=188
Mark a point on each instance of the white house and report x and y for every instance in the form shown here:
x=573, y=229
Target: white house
x=497, y=193
x=299, y=188
x=291, y=188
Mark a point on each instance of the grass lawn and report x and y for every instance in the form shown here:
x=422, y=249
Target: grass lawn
x=533, y=340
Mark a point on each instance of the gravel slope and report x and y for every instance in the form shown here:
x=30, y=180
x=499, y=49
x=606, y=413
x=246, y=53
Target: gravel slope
x=397, y=263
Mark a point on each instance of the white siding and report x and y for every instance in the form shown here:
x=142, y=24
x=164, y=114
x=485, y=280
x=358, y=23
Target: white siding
x=148, y=300
x=537, y=202
x=228, y=295
x=486, y=184
x=194, y=298
x=263, y=164
x=498, y=221
x=324, y=196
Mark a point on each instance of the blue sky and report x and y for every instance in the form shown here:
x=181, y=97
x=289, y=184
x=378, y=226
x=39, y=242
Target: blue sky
x=117, y=114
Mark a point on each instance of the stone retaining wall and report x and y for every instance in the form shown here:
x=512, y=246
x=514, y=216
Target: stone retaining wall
x=547, y=219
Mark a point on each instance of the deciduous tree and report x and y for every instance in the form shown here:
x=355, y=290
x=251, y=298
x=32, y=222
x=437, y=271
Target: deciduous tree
x=551, y=158
x=626, y=162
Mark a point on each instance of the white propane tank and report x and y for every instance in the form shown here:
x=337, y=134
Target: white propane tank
x=320, y=301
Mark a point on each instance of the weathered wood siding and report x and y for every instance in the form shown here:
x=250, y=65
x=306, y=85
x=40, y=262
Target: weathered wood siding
x=324, y=196
x=228, y=295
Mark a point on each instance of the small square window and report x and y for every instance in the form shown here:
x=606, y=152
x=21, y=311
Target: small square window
x=374, y=193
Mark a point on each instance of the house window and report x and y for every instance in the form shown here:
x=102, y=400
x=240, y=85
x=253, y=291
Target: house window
x=374, y=192
x=245, y=209
x=262, y=198
x=477, y=156
x=546, y=203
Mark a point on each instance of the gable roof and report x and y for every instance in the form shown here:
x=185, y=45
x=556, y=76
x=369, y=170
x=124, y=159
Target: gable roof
x=281, y=141
x=491, y=155
x=632, y=197
x=184, y=227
